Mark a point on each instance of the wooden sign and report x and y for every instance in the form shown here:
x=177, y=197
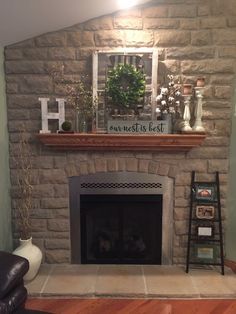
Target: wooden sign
x=134, y=127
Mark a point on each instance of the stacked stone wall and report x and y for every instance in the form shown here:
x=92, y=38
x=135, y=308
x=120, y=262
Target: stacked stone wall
x=194, y=38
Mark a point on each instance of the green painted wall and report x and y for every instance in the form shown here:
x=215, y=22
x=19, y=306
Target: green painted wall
x=5, y=209
x=231, y=221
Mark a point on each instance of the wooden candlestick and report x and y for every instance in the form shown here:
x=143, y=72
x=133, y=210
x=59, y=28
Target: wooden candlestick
x=186, y=115
x=198, y=110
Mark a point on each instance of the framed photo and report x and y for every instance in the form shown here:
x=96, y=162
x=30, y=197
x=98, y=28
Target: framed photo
x=205, y=231
x=205, y=192
x=205, y=212
x=205, y=253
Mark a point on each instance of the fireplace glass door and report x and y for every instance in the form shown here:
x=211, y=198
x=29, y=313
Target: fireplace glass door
x=121, y=229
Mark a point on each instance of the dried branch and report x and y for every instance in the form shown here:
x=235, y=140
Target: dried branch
x=24, y=185
x=77, y=93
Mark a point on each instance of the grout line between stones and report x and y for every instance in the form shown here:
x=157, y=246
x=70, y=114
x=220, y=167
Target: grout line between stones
x=96, y=279
x=46, y=280
x=195, y=286
x=144, y=282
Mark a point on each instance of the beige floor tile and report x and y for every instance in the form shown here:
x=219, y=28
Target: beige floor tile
x=35, y=286
x=169, y=281
x=211, y=283
x=72, y=280
x=120, y=281
x=230, y=278
x=131, y=281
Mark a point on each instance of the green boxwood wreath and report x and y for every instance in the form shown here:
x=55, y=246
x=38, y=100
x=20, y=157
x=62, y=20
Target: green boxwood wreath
x=126, y=86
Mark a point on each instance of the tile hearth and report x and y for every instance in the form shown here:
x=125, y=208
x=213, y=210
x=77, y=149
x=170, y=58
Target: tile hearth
x=131, y=281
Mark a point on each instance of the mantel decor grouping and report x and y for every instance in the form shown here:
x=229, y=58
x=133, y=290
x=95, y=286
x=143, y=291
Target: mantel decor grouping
x=172, y=111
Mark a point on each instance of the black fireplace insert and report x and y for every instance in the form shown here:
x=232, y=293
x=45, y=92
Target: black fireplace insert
x=121, y=229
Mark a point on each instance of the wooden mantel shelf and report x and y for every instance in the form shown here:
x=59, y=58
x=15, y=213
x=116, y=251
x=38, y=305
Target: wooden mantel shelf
x=94, y=141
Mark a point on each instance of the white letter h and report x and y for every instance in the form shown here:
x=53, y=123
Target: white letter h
x=60, y=115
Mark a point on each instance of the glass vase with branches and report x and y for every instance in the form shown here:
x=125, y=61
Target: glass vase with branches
x=78, y=95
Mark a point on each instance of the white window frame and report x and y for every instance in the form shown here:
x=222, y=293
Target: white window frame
x=127, y=51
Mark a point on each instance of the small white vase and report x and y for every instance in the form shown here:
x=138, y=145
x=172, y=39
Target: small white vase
x=33, y=254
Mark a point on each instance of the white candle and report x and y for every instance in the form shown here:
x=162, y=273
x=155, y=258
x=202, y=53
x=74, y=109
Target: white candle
x=187, y=89
x=200, y=82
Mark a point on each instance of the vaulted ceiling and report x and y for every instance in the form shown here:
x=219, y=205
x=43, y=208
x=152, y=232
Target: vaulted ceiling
x=23, y=19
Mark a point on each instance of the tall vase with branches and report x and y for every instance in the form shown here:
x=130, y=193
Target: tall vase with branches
x=24, y=186
x=25, y=193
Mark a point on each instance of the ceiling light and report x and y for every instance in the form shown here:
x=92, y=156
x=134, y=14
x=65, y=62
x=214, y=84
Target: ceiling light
x=125, y=4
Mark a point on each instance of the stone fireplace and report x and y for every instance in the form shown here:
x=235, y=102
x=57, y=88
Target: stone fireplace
x=121, y=217
x=193, y=39
x=54, y=170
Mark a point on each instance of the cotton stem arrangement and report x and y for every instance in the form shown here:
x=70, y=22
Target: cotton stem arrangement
x=169, y=98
